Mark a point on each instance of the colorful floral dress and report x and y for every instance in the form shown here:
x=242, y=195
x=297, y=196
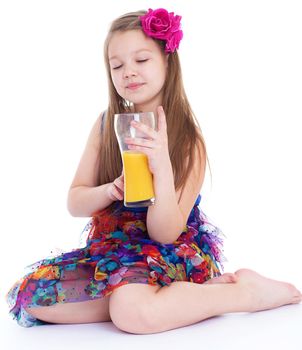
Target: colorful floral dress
x=117, y=251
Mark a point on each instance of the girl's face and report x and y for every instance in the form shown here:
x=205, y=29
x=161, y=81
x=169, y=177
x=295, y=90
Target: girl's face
x=138, y=68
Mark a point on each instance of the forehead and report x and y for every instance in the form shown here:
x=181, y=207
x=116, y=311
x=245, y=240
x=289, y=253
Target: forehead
x=129, y=42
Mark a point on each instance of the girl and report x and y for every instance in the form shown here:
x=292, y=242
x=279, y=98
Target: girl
x=147, y=269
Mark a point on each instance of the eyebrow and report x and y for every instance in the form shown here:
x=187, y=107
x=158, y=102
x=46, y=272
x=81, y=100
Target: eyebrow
x=112, y=57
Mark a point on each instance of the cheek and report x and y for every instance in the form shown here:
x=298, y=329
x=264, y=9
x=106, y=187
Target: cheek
x=160, y=75
x=116, y=81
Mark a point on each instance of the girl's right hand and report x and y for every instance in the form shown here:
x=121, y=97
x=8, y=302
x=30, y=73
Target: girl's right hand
x=115, y=190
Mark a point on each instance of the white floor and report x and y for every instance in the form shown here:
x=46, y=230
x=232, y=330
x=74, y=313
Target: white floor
x=274, y=329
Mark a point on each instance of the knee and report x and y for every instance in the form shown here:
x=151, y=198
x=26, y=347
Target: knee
x=129, y=315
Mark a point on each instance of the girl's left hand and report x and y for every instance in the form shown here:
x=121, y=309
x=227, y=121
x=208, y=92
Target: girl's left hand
x=156, y=146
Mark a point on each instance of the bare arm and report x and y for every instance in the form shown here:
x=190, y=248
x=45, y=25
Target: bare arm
x=85, y=196
x=84, y=200
x=164, y=218
x=167, y=218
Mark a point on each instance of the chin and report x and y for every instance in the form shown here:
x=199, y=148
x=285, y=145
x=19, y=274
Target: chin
x=137, y=101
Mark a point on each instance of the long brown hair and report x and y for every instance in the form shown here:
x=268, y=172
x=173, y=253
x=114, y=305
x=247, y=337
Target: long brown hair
x=183, y=129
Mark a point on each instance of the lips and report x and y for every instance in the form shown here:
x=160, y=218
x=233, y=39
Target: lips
x=133, y=86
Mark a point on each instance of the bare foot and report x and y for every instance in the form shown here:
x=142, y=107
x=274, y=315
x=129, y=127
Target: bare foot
x=266, y=293
x=225, y=278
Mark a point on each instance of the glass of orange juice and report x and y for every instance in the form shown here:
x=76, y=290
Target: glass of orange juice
x=138, y=180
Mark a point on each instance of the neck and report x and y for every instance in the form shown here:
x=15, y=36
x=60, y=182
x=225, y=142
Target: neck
x=150, y=106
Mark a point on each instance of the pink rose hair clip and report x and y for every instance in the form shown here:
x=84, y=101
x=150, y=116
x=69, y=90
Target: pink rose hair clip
x=163, y=25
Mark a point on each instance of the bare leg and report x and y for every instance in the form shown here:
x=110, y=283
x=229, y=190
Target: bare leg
x=81, y=312
x=185, y=303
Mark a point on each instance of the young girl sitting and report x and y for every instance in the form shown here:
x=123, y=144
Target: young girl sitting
x=154, y=268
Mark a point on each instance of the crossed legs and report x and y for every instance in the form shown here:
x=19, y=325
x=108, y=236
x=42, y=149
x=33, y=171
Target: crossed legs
x=144, y=309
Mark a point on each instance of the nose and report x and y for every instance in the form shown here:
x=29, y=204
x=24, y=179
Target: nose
x=129, y=71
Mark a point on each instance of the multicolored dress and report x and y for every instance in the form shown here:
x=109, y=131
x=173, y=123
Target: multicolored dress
x=118, y=250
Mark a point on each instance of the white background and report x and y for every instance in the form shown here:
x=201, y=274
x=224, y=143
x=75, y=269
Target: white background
x=241, y=63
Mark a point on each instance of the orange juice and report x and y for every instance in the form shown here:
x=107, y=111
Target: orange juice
x=138, y=178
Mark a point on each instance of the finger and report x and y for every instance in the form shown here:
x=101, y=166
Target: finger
x=143, y=149
x=118, y=194
x=113, y=193
x=161, y=119
x=146, y=129
x=120, y=186
x=134, y=143
x=118, y=183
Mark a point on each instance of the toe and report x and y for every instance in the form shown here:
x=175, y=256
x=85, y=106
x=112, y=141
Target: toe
x=234, y=278
x=230, y=277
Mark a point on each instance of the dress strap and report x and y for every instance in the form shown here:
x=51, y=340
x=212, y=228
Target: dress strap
x=103, y=120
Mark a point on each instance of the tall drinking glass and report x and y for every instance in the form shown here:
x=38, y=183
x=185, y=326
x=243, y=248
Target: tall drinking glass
x=138, y=180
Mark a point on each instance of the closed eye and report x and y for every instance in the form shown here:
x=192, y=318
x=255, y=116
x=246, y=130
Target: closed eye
x=139, y=61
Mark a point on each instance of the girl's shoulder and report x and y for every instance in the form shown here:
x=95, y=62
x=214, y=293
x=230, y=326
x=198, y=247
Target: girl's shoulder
x=95, y=135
